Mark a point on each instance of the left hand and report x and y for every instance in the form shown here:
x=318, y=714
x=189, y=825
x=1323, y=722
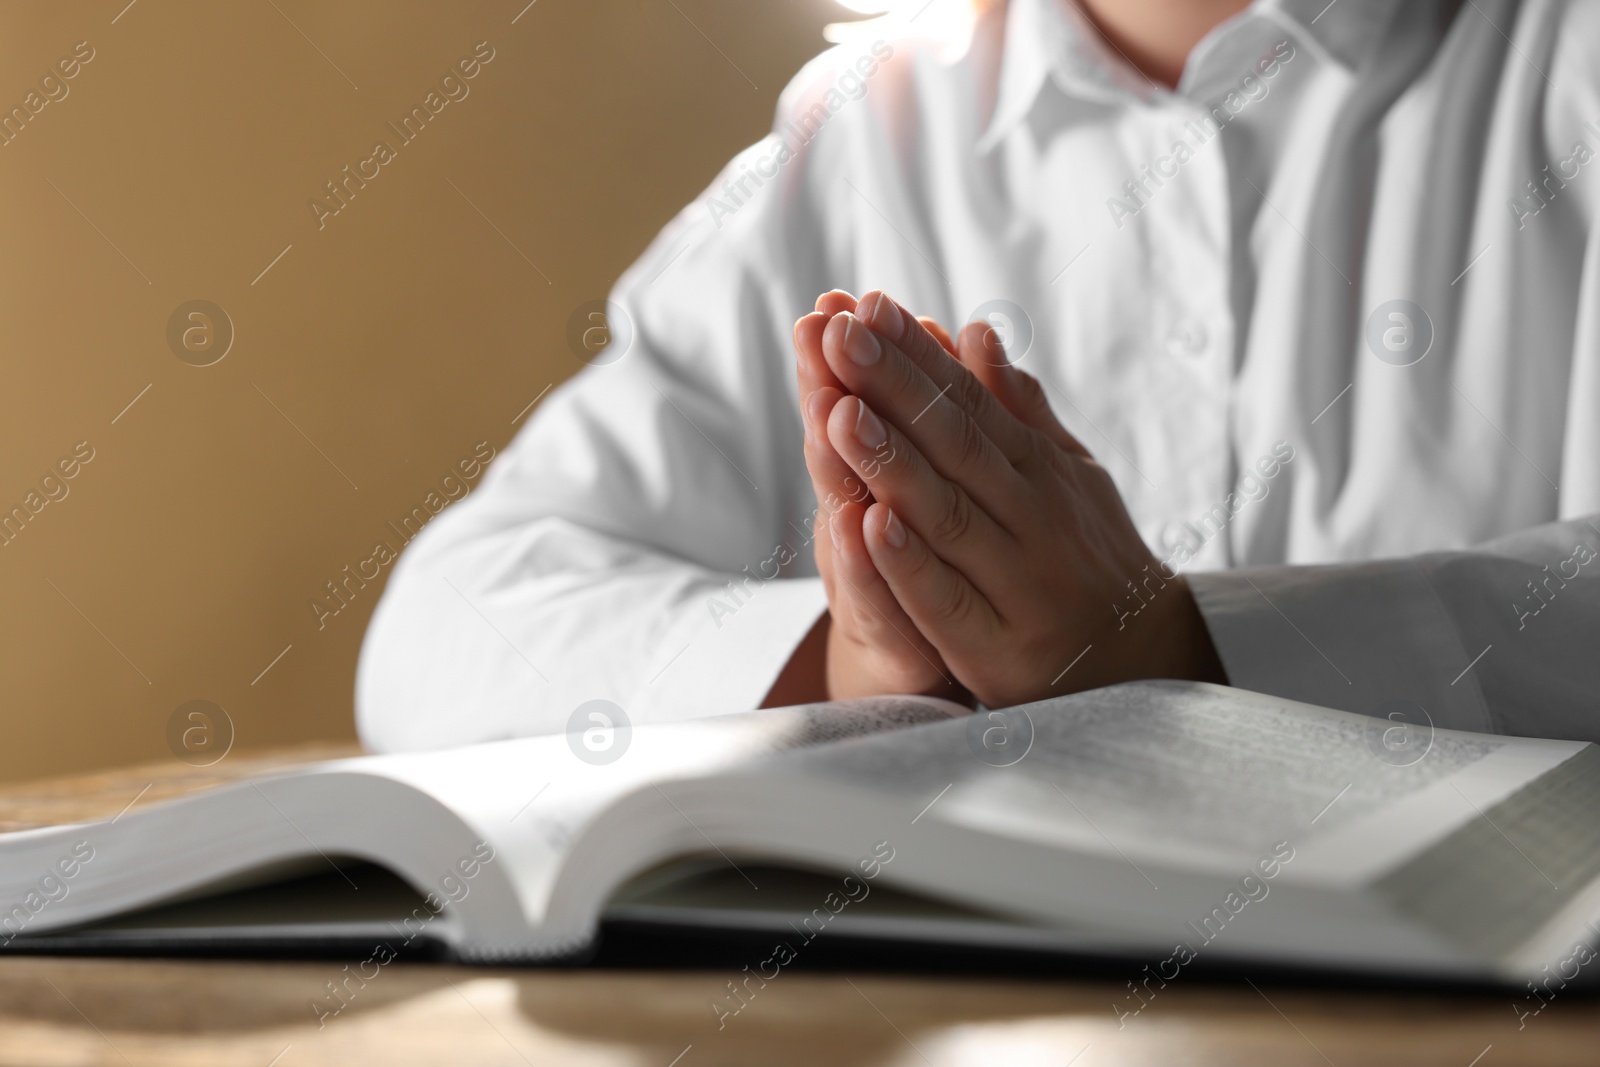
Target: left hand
x=869, y=646
x=1004, y=541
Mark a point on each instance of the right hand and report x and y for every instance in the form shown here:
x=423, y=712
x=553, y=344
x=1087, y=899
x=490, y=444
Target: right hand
x=873, y=647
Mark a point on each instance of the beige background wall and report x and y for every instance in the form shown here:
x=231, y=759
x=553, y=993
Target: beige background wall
x=366, y=362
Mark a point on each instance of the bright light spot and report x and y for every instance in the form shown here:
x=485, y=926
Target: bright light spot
x=949, y=23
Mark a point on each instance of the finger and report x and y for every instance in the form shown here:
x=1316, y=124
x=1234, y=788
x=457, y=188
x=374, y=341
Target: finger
x=960, y=531
x=980, y=351
x=811, y=367
x=866, y=608
x=910, y=336
x=833, y=483
x=942, y=430
x=834, y=301
x=829, y=474
x=944, y=606
x=834, y=480
x=939, y=333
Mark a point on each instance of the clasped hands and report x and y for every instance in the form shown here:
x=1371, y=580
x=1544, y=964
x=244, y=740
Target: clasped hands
x=970, y=546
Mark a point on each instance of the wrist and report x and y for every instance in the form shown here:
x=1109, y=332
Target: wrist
x=855, y=669
x=1182, y=647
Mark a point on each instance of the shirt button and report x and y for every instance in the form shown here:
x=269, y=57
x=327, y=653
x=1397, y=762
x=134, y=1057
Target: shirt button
x=1188, y=339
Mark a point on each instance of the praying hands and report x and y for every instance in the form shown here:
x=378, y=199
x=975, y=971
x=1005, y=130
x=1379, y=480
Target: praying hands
x=970, y=546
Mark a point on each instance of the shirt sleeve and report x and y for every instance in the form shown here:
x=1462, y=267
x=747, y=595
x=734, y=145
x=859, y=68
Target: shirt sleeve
x=646, y=537
x=1501, y=638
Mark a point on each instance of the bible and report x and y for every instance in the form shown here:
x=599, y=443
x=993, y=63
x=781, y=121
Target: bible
x=1155, y=821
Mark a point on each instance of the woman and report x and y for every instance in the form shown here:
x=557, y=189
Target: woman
x=1314, y=282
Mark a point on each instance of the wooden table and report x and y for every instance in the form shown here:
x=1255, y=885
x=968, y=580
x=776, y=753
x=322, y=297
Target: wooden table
x=61, y=1011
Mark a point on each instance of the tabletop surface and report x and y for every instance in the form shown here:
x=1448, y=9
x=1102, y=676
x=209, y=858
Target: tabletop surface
x=179, y=1012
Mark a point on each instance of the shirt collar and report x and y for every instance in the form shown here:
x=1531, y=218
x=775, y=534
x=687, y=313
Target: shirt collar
x=1054, y=39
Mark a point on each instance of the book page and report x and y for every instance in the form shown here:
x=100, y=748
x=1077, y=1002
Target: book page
x=423, y=816
x=702, y=746
x=1170, y=771
x=532, y=797
x=1530, y=856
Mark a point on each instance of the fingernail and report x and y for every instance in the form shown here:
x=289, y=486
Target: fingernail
x=893, y=531
x=859, y=343
x=885, y=318
x=870, y=430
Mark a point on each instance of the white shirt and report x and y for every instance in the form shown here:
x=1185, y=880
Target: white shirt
x=1211, y=306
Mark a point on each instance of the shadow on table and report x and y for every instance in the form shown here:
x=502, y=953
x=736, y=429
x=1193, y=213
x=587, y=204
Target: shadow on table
x=653, y=990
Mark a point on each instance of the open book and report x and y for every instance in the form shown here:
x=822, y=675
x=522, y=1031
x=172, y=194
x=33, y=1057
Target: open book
x=1160, y=821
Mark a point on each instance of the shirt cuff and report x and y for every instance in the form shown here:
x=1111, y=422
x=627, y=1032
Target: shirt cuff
x=729, y=648
x=1357, y=637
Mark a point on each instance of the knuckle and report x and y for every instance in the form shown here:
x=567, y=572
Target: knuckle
x=907, y=371
x=1068, y=466
x=1094, y=477
x=952, y=603
x=1036, y=450
x=969, y=394
x=1046, y=457
x=866, y=622
x=850, y=607
x=971, y=444
x=955, y=518
x=871, y=467
x=1033, y=394
x=904, y=381
x=965, y=386
x=1036, y=400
